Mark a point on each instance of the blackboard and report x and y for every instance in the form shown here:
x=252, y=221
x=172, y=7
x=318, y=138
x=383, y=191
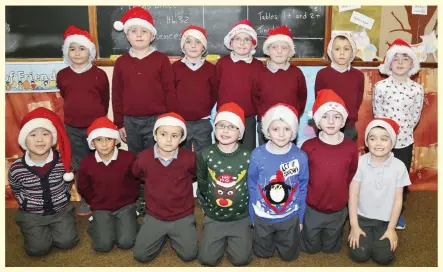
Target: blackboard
x=37, y=31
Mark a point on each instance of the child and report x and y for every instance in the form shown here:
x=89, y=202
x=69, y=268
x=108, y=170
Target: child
x=375, y=195
x=235, y=74
x=41, y=181
x=346, y=81
x=168, y=173
x=196, y=84
x=107, y=184
x=277, y=183
x=279, y=75
x=85, y=91
x=333, y=160
x=222, y=191
x=401, y=99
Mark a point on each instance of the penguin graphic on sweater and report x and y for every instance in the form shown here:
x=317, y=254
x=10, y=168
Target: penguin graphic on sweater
x=278, y=192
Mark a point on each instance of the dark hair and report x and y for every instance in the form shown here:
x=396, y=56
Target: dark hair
x=376, y=127
x=341, y=37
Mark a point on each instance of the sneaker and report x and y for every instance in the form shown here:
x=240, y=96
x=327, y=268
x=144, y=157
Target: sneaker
x=84, y=210
x=401, y=224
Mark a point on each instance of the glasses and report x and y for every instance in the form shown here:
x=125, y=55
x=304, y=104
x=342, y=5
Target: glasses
x=240, y=40
x=223, y=126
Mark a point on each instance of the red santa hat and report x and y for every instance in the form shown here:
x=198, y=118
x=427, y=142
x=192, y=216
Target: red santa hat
x=280, y=34
x=390, y=125
x=47, y=119
x=278, y=178
x=194, y=31
x=171, y=119
x=328, y=100
x=351, y=41
x=280, y=111
x=80, y=36
x=399, y=46
x=102, y=127
x=244, y=26
x=234, y=114
x=136, y=16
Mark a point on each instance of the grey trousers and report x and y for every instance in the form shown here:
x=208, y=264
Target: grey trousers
x=283, y=236
x=199, y=134
x=108, y=228
x=249, y=137
x=139, y=132
x=371, y=245
x=322, y=231
x=41, y=233
x=235, y=237
x=153, y=234
x=350, y=132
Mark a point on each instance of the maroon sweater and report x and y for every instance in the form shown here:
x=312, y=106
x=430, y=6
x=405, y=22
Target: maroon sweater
x=108, y=187
x=196, y=90
x=331, y=170
x=236, y=83
x=349, y=86
x=281, y=87
x=142, y=87
x=85, y=95
x=168, y=189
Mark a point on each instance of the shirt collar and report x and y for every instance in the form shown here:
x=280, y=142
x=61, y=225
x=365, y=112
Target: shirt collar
x=235, y=58
x=337, y=68
x=387, y=162
x=275, y=70
x=81, y=70
x=194, y=66
x=157, y=154
x=113, y=158
x=340, y=140
x=393, y=81
x=30, y=162
x=132, y=54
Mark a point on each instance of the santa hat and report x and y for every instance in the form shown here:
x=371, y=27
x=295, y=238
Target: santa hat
x=136, y=16
x=80, y=36
x=170, y=119
x=280, y=111
x=328, y=100
x=196, y=32
x=390, y=125
x=102, y=127
x=278, y=178
x=280, y=34
x=351, y=41
x=244, y=26
x=234, y=114
x=399, y=46
x=47, y=119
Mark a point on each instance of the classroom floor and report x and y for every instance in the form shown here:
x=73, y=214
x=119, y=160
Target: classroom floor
x=417, y=245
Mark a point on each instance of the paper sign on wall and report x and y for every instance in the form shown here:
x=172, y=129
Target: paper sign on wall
x=362, y=20
x=420, y=10
x=345, y=8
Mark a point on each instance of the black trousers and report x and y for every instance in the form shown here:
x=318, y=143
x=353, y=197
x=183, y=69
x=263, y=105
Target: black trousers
x=405, y=155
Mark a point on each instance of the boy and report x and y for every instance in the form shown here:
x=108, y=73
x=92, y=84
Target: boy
x=196, y=84
x=333, y=160
x=235, y=74
x=107, y=184
x=277, y=183
x=346, y=81
x=401, y=99
x=85, y=91
x=375, y=195
x=279, y=75
x=222, y=192
x=41, y=181
x=168, y=173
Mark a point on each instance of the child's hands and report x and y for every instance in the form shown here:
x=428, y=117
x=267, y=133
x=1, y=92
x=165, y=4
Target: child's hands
x=393, y=238
x=354, y=237
x=122, y=134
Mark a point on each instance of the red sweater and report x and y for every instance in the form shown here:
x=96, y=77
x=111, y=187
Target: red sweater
x=196, y=90
x=236, y=83
x=168, y=189
x=108, y=187
x=281, y=87
x=142, y=87
x=350, y=86
x=331, y=170
x=85, y=95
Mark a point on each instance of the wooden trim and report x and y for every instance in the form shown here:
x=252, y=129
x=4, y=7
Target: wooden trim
x=34, y=60
x=92, y=13
x=328, y=22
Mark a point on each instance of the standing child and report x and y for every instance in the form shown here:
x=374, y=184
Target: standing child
x=401, y=99
x=235, y=74
x=279, y=81
x=222, y=191
x=333, y=160
x=196, y=84
x=41, y=181
x=375, y=195
x=85, y=91
x=346, y=81
x=107, y=184
x=277, y=183
x=168, y=173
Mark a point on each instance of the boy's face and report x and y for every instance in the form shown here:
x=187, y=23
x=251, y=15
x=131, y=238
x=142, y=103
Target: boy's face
x=168, y=138
x=279, y=52
x=140, y=38
x=104, y=145
x=331, y=122
x=242, y=44
x=193, y=47
x=39, y=141
x=280, y=133
x=341, y=51
x=78, y=54
x=401, y=64
x=226, y=133
x=379, y=142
